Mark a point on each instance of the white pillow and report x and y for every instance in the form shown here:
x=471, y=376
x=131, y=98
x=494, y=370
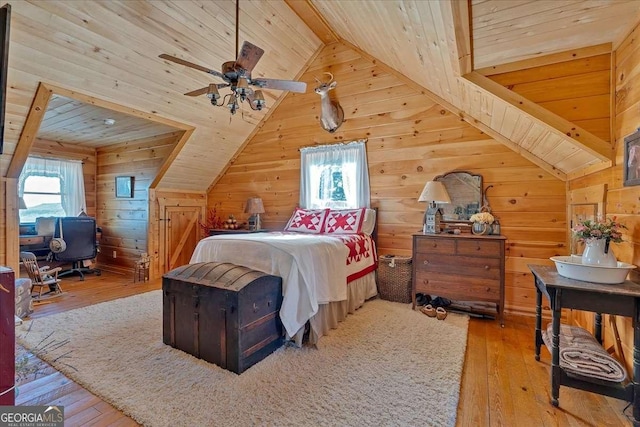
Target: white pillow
x=307, y=220
x=45, y=225
x=369, y=222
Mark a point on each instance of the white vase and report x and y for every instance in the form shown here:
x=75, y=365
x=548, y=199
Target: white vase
x=594, y=254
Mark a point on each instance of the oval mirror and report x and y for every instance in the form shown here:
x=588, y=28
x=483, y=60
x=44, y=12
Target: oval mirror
x=465, y=191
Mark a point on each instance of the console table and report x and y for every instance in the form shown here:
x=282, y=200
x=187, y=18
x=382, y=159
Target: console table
x=620, y=299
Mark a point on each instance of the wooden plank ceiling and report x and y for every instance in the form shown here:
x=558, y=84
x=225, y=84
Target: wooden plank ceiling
x=109, y=50
x=75, y=122
x=427, y=41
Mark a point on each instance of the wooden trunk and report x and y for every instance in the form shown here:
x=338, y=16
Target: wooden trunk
x=222, y=313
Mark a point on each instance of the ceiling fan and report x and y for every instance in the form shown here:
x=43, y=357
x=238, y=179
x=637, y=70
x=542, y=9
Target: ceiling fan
x=237, y=76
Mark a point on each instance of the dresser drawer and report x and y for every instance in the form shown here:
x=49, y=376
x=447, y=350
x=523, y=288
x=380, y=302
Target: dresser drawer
x=458, y=266
x=435, y=246
x=483, y=248
x=474, y=289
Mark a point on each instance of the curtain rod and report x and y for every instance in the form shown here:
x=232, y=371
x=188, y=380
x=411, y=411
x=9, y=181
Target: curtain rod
x=363, y=140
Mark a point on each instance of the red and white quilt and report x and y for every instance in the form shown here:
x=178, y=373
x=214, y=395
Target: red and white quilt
x=362, y=258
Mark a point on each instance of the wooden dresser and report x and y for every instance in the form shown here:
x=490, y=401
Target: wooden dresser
x=462, y=267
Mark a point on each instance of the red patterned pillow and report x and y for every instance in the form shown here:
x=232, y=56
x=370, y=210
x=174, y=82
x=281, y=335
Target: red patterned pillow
x=307, y=221
x=345, y=221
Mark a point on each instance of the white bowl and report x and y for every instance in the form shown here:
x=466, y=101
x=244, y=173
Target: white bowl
x=571, y=267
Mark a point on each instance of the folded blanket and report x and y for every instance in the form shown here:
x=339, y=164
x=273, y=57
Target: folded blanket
x=581, y=354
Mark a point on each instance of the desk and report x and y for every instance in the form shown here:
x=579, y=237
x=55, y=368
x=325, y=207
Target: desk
x=621, y=299
x=26, y=240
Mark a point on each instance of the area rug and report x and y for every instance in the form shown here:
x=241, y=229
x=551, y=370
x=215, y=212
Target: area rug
x=384, y=365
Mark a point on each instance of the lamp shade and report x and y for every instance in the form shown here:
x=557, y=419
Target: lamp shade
x=434, y=191
x=21, y=203
x=254, y=206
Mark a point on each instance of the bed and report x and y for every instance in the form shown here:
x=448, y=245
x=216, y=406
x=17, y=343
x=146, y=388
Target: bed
x=327, y=265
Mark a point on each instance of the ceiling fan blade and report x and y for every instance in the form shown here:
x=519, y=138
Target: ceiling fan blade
x=192, y=65
x=204, y=90
x=290, y=85
x=249, y=56
x=198, y=92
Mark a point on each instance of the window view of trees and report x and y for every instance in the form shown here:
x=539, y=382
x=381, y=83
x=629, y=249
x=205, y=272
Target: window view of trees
x=331, y=185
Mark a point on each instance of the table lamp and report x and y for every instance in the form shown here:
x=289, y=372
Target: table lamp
x=433, y=192
x=255, y=208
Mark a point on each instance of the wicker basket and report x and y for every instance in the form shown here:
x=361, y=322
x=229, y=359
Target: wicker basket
x=394, y=278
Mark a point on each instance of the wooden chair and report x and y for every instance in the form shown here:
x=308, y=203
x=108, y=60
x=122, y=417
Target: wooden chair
x=41, y=276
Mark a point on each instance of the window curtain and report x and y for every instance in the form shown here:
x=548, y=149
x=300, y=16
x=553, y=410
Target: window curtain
x=350, y=159
x=71, y=181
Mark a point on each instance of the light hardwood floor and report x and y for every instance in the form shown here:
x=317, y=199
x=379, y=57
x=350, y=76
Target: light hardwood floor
x=502, y=383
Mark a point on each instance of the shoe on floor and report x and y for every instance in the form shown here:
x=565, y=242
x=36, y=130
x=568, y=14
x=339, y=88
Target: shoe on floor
x=441, y=302
x=428, y=310
x=441, y=313
x=423, y=299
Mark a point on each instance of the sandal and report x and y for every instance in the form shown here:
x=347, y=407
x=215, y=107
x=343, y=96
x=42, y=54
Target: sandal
x=428, y=310
x=441, y=313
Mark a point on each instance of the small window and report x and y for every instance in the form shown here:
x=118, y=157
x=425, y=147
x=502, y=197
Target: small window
x=51, y=187
x=334, y=176
x=42, y=196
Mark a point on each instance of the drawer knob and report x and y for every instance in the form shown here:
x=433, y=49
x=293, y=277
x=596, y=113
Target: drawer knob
x=255, y=307
x=488, y=289
x=425, y=262
x=435, y=245
x=486, y=267
x=425, y=281
x=478, y=248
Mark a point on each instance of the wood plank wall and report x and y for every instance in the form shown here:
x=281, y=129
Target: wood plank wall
x=577, y=90
x=124, y=221
x=623, y=202
x=411, y=139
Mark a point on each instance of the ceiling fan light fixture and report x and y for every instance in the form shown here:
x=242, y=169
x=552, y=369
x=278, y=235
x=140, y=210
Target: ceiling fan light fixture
x=243, y=89
x=233, y=105
x=258, y=100
x=212, y=92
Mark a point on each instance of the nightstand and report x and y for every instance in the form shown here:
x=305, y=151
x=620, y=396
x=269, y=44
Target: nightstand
x=216, y=232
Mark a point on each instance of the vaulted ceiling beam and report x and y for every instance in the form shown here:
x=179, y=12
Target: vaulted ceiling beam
x=461, y=19
x=30, y=130
x=561, y=127
x=558, y=126
x=310, y=15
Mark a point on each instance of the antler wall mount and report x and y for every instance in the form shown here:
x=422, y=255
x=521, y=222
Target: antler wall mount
x=237, y=77
x=331, y=113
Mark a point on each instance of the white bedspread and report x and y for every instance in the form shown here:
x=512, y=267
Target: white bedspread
x=312, y=267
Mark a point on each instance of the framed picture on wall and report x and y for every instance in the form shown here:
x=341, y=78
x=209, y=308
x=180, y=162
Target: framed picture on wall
x=124, y=186
x=632, y=159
